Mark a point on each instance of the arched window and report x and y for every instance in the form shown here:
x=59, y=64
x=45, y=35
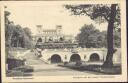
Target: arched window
x=61, y=38
x=94, y=57
x=56, y=58
x=75, y=58
x=39, y=40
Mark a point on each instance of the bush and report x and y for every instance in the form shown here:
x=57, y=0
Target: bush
x=78, y=63
x=12, y=63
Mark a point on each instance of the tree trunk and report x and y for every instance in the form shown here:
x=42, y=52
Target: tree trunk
x=109, y=57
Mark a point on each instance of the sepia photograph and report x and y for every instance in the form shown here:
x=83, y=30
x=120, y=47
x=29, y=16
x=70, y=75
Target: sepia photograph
x=79, y=40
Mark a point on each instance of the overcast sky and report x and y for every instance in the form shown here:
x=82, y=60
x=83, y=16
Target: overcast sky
x=49, y=15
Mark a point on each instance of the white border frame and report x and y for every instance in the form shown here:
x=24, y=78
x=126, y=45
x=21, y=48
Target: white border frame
x=99, y=78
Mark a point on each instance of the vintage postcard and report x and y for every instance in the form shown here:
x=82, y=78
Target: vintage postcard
x=63, y=41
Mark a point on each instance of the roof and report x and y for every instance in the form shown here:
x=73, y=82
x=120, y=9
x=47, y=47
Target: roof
x=49, y=30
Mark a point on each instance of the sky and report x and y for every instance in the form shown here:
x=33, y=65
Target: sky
x=49, y=15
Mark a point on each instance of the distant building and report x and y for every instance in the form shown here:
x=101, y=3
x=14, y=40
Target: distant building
x=54, y=36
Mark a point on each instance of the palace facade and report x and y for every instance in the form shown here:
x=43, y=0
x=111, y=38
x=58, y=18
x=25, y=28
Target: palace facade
x=53, y=37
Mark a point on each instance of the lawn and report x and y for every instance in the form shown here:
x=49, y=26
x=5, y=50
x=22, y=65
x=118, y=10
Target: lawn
x=115, y=70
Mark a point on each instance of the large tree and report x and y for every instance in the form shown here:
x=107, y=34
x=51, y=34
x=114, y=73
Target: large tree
x=16, y=35
x=9, y=27
x=89, y=37
x=109, y=13
x=28, y=32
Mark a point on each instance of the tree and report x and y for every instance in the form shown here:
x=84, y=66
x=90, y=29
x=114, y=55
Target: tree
x=9, y=28
x=16, y=35
x=89, y=36
x=101, y=13
x=104, y=41
x=28, y=32
x=117, y=39
x=28, y=43
x=6, y=17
